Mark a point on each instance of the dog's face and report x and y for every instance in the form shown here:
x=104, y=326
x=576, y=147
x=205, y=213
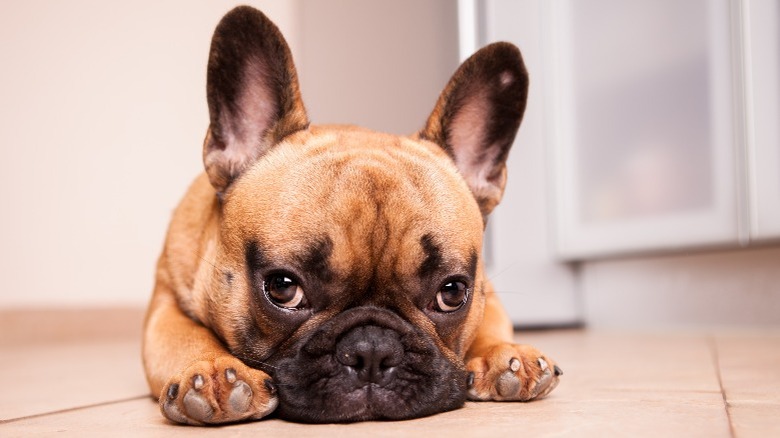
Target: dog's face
x=361, y=252
x=347, y=262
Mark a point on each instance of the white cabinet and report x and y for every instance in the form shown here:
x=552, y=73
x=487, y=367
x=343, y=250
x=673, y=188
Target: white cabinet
x=652, y=126
x=535, y=289
x=761, y=42
x=645, y=125
x=663, y=122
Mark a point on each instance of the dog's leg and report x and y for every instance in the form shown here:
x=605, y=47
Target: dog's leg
x=502, y=369
x=196, y=379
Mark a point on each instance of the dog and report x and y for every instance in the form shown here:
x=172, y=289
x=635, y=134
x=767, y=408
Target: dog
x=333, y=273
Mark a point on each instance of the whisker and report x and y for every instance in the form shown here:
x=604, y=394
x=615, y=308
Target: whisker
x=508, y=292
x=210, y=263
x=503, y=270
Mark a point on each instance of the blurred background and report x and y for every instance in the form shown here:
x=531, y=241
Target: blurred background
x=644, y=185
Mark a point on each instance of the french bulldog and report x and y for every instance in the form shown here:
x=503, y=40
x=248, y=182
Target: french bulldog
x=333, y=273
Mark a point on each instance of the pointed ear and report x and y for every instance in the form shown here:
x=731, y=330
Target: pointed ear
x=477, y=116
x=253, y=95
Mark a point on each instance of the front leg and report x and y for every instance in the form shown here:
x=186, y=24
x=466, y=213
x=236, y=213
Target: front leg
x=197, y=381
x=504, y=370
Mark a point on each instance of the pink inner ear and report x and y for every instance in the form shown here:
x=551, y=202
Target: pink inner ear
x=474, y=158
x=467, y=135
x=256, y=111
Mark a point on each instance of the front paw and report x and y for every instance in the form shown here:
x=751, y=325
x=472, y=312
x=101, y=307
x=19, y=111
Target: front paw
x=512, y=372
x=215, y=391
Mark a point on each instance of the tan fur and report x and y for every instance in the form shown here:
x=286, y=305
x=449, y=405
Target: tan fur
x=374, y=196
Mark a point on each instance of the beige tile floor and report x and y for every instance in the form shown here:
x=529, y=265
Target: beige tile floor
x=79, y=374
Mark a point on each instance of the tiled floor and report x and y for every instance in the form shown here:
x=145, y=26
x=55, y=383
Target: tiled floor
x=79, y=374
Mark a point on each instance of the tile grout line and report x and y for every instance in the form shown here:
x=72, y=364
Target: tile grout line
x=716, y=359
x=62, y=411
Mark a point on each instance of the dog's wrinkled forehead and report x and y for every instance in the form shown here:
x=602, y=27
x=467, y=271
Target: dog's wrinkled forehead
x=370, y=196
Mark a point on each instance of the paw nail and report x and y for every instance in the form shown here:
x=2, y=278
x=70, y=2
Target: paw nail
x=558, y=371
x=230, y=375
x=270, y=386
x=198, y=382
x=470, y=379
x=173, y=391
x=514, y=364
x=543, y=364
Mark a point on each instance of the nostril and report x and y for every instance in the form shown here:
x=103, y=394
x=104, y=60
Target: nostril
x=370, y=353
x=391, y=361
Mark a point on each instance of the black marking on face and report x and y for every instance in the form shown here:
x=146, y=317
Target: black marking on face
x=248, y=338
x=264, y=326
x=433, y=258
x=314, y=261
x=254, y=258
x=473, y=261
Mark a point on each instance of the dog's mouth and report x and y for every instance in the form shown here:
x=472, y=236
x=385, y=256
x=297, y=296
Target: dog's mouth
x=367, y=364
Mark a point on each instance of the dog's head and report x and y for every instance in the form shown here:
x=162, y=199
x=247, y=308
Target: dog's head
x=347, y=264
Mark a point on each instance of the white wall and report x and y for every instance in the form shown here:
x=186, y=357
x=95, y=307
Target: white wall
x=102, y=114
x=378, y=64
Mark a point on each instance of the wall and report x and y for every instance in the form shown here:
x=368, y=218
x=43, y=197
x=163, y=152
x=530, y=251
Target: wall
x=103, y=114
x=378, y=64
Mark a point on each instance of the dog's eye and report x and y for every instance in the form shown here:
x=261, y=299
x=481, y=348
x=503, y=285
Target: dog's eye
x=451, y=297
x=283, y=291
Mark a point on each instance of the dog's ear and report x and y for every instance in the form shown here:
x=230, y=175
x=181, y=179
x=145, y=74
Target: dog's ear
x=477, y=116
x=253, y=95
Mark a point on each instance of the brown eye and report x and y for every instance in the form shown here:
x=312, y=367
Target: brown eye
x=451, y=297
x=283, y=291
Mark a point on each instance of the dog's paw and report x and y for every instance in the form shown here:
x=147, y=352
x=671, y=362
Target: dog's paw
x=221, y=390
x=512, y=372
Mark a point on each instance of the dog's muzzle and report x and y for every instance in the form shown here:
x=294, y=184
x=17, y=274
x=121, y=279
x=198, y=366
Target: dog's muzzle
x=367, y=364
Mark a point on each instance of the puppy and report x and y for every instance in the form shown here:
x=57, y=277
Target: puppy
x=332, y=273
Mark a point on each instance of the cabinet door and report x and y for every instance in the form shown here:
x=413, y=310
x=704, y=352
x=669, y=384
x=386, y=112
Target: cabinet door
x=761, y=40
x=535, y=288
x=644, y=124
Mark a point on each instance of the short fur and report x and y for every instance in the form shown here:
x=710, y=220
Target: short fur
x=373, y=232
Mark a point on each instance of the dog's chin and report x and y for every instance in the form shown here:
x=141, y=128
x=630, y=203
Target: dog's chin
x=367, y=364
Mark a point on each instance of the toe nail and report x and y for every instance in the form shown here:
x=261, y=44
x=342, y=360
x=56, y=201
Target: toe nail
x=514, y=364
x=198, y=382
x=270, y=386
x=558, y=371
x=543, y=364
x=230, y=375
x=173, y=391
x=470, y=379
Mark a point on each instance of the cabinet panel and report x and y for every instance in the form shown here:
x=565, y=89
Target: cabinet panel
x=762, y=77
x=534, y=287
x=643, y=124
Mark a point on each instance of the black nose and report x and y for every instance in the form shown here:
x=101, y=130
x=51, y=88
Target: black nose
x=370, y=354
